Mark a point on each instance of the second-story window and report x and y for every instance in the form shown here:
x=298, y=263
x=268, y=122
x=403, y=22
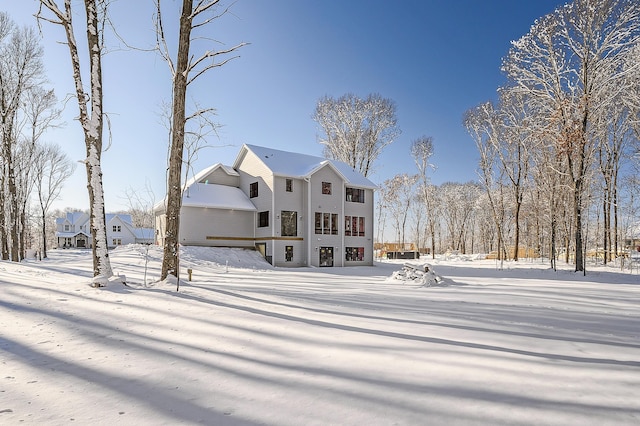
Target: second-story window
x=263, y=219
x=326, y=188
x=355, y=195
x=117, y=228
x=66, y=228
x=253, y=190
x=288, y=185
x=288, y=223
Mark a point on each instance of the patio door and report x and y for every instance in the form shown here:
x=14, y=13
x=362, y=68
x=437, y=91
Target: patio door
x=326, y=256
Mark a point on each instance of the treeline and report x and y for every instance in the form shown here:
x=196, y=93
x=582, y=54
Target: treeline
x=559, y=153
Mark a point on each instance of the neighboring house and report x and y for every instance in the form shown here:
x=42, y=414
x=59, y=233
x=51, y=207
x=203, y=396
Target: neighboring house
x=296, y=209
x=74, y=231
x=632, y=240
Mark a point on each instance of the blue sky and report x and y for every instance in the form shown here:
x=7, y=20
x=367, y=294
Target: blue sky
x=434, y=59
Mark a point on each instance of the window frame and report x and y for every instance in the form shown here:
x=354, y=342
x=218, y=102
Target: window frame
x=253, y=189
x=326, y=188
x=291, y=219
x=354, y=254
x=354, y=195
x=263, y=219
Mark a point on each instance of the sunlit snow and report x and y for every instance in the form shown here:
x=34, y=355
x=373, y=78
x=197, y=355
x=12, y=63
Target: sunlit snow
x=245, y=343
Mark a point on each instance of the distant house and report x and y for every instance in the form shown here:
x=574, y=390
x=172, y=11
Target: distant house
x=296, y=209
x=74, y=231
x=632, y=240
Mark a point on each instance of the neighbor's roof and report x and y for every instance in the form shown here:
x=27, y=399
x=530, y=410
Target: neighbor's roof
x=72, y=217
x=71, y=234
x=216, y=196
x=144, y=233
x=291, y=164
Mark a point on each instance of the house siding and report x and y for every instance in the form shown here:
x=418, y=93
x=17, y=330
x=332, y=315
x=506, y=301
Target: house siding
x=289, y=201
x=327, y=203
x=252, y=170
x=220, y=177
x=361, y=210
x=214, y=227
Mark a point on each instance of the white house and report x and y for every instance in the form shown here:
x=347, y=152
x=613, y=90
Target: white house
x=296, y=209
x=74, y=231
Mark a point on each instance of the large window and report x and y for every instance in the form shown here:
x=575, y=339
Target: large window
x=354, y=254
x=253, y=190
x=288, y=223
x=326, y=188
x=355, y=195
x=263, y=219
x=326, y=223
x=354, y=226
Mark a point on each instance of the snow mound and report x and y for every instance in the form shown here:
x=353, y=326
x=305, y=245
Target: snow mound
x=420, y=274
x=223, y=257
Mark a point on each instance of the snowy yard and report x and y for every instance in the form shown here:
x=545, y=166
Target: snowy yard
x=248, y=344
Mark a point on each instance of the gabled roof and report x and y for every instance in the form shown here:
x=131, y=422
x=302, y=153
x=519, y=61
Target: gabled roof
x=295, y=165
x=72, y=217
x=216, y=196
x=205, y=172
x=124, y=217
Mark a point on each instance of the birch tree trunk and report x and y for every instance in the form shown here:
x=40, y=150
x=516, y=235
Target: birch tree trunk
x=90, y=117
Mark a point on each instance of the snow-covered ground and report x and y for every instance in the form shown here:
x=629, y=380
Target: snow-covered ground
x=244, y=343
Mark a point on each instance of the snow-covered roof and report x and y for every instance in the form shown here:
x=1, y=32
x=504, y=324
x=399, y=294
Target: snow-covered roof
x=143, y=233
x=295, y=165
x=205, y=172
x=71, y=234
x=216, y=196
x=124, y=217
x=72, y=217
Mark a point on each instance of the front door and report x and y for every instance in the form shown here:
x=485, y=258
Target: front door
x=326, y=256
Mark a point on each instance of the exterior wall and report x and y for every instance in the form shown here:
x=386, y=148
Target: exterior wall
x=289, y=201
x=220, y=177
x=118, y=233
x=251, y=170
x=365, y=210
x=214, y=227
x=161, y=228
x=324, y=203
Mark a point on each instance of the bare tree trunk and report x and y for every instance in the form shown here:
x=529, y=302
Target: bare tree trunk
x=4, y=241
x=44, y=235
x=170, y=262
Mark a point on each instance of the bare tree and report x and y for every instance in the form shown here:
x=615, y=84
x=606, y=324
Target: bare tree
x=52, y=167
x=400, y=197
x=185, y=69
x=458, y=205
x=570, y=66
x=421, y=151
x=91, y=115
x=356, y=130
x=21, y=69
x=482, y=125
